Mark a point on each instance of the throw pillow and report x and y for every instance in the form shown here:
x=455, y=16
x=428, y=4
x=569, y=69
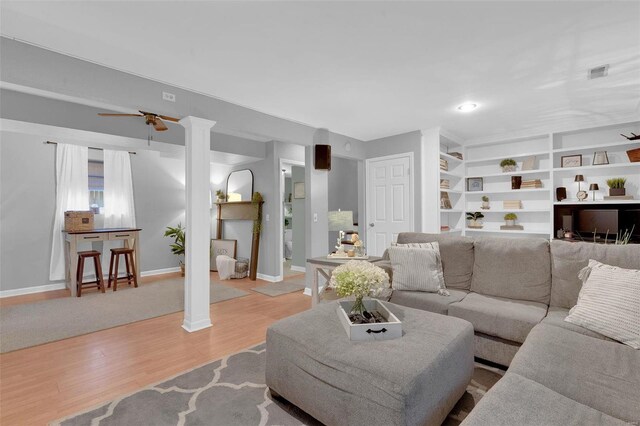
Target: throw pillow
x=417, y=267
x=609, y=302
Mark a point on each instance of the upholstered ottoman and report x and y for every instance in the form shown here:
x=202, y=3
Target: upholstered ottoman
x=413, y=380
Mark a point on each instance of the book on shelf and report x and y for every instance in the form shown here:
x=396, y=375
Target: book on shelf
x=511, y=228
x=528, y=184
x=512, y=204
x=618, y=197
x=444, y=165
x=444, y=183
x=458, y=155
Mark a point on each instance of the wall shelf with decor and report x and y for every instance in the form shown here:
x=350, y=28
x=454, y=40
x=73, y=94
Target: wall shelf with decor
x=449, y=217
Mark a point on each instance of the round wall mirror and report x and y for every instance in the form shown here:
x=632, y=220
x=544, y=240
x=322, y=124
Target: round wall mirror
x=240, y=185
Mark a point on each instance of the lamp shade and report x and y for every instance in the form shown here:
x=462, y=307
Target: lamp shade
x=340, y=220
x=593, y=187
x=579, y=178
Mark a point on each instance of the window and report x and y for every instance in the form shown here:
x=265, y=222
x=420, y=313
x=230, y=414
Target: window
x=96, y=185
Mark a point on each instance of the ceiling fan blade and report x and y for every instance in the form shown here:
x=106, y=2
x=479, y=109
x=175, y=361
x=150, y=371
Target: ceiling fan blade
x=166, y=117
x=104, y=114
x=159, y=125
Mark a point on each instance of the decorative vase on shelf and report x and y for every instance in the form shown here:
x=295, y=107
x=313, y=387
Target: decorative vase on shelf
x=510, y=222
x=507, y=169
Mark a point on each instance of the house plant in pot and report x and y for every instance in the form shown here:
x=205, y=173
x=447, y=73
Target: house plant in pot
x=221, y=196
x=474, y=219
x=177, y=247
x=508, y=165
x=485, y=203
x=510, y=219
x=616, y=187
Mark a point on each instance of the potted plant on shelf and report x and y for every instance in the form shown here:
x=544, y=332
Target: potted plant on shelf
x=221, y=196
x=508, y=165
x=474, y=219
x=177, y=247
x=510, y=219
x=485, y=202
x=616, y=187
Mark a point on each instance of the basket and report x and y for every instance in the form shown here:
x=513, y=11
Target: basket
x=634, y=155
x=78, y=220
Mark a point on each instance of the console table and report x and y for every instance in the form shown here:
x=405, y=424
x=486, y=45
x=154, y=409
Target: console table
x=324, y=266
x=129, y=237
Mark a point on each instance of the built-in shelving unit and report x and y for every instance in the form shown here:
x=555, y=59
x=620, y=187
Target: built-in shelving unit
x=453, y=217
x=538, y=204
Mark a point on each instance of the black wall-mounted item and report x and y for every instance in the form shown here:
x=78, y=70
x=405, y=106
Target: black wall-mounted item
x=322, y=157
x=561, y=193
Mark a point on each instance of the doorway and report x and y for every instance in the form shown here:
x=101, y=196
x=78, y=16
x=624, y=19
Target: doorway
x=292, y=226
x=390, y=203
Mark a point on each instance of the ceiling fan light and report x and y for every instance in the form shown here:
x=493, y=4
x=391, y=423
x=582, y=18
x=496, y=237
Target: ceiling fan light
x=467, y=107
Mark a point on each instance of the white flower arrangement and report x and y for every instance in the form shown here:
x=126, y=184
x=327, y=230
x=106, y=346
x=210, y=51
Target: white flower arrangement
x=359, y=279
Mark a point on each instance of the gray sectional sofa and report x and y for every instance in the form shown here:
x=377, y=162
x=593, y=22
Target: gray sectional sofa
x=516, y=293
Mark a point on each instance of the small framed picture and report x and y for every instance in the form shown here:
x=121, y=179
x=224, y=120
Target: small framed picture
x=571, y=160
x=298, y=190
x=600, y=158
x=474, y=184
x=222, y=247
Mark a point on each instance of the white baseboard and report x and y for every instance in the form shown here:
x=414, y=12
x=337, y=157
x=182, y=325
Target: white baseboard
x=269, y=278
x=298, y=268
x=196, y=325
x=159, y=271
x=62, y=286
x=31, y=290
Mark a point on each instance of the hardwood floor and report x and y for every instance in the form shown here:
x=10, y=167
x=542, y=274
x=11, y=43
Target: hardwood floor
x=46, y=382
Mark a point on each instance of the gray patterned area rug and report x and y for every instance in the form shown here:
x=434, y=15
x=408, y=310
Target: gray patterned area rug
x=289, y=285
x=232, y=391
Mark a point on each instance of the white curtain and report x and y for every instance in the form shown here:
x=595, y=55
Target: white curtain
x=72, y=193
x=119, y=210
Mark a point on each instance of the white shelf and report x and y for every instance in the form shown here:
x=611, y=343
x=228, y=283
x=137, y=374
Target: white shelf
x=502, y=157
x=601, y=167
x=504, y=231
x=451, y=231
x=450, y=210
x=509, y=191
x=451, y=191
x=523, y=172
x=449, y=174
x=450, y=157
x=622, y=145
x=573, y=202
x=516, y=211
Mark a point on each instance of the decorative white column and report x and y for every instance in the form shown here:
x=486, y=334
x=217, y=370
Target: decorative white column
x=198, y=223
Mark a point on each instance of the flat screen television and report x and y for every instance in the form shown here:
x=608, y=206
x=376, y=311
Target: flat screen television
x=600, y=222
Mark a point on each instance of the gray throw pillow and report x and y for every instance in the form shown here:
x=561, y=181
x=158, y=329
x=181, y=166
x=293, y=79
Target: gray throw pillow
x=417, y=267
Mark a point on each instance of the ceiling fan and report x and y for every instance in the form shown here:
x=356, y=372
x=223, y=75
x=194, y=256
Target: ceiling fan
x=150, y=118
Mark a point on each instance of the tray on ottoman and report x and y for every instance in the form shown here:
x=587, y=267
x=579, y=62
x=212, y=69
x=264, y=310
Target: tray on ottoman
x=413, y=380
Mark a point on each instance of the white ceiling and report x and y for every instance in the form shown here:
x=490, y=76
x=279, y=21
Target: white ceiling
x=367, y=69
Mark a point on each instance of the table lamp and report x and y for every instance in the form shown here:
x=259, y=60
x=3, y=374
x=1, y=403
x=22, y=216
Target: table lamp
x=582, y=195
x=593, y=187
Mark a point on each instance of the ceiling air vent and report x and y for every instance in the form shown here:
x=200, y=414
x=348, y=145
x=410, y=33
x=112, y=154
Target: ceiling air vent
x=598, y=72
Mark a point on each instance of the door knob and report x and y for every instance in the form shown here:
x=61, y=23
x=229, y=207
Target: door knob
x=372, y=224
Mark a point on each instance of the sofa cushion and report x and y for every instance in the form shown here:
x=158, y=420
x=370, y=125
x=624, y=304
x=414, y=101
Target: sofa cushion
x=555, y=316
x=431, y=302
x=602, y=374
x=516, y=400
x=500, y=317
x=515, y=268
x=609, y=302
x=417, y=268
x=567, y=259
x=456, y=254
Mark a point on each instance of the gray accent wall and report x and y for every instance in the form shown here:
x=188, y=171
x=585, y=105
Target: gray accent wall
x=299, y=219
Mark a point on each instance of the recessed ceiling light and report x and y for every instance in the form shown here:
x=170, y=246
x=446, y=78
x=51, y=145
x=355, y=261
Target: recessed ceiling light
x=467, y=106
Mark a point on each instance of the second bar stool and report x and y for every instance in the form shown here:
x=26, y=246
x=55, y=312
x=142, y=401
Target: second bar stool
x=131, y=276
x=99, y=282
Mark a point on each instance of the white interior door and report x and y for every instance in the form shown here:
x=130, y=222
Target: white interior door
x=389, y=200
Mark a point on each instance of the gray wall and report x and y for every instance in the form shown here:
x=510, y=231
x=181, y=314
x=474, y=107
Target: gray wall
x=27, y=204
x=343, y=190
x=406, y=142
x=299, y=218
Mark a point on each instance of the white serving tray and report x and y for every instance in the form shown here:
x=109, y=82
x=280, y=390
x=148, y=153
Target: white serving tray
x=369, y=332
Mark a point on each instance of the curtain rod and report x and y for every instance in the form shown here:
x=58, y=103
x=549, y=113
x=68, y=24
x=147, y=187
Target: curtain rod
x=90, y=147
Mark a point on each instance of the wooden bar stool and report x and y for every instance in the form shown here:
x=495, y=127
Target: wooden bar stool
x=131, y=276
x=99, y=282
